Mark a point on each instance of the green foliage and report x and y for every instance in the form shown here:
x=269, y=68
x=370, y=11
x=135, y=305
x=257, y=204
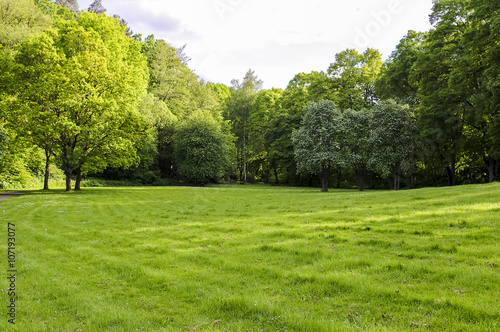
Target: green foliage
x=19, y=164
x=279, y=141
x=170, y=80
x=4, y=141
x=238, y=111
x=47, y=7
x=222, y=91
x=18, y=20
x=97, y=101
x=266, y=103
x=395, y=79
x=301, y=90
x=354, y=76
x=177, y=93
x=355, y=142
x=80, y=85
x=476, y=78
x=203, y=151
x=443, y=108
x=317, y=142
x=152, y=146
x=392, y=139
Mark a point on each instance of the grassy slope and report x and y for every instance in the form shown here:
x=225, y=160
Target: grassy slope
x=252, y=258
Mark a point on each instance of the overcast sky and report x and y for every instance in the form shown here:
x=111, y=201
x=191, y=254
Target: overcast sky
x=276, y=38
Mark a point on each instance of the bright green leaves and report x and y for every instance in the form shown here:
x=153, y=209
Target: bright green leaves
x=79, y=87
x=354, y=76
x=18, y=20
x=174, y=94
x=169, y=79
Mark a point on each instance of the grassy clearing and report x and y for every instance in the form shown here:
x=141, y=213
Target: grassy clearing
x=255, y=258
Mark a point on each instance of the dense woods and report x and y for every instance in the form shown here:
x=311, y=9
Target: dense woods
x=82, y=96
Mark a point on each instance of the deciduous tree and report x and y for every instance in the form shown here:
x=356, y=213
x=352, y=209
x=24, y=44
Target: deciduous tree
x=80, y=86
x=443, y=109
x=18, y=20
x=395, y=80
x=317, y=142
x=203, y=151
x=354, y=76
x=355, y=142
x=392, y=139
x=238, y=111
x=476, y=76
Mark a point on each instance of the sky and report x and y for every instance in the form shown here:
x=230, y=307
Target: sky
x=276, y=38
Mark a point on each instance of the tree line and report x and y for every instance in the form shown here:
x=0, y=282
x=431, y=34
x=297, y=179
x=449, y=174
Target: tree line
x=428, y=116
x=81, y=95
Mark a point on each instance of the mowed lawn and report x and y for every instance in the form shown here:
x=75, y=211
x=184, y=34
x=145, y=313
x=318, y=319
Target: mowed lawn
x=254, y=258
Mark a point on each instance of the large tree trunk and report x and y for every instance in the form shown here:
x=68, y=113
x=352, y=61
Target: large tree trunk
x=325, y=176
x=492, y=169
x=69, y=172
x=397, y=179
x=276, y=176
x=78, y=180
x=450, y=173
x=360, y=173
x=47, y=171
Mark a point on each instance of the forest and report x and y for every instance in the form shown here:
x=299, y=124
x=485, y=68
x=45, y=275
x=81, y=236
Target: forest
x=82, y=96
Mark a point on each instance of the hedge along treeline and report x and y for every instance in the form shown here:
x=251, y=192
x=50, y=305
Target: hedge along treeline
x=449, y=78
x=87, y=99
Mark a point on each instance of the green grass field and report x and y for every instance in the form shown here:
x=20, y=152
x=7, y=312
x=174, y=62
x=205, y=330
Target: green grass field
x=254, y=258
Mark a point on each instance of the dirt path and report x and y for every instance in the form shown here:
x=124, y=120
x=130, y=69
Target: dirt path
x=11, y=194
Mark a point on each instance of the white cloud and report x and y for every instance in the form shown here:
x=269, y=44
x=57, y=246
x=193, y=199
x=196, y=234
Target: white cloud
x=276, y=38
